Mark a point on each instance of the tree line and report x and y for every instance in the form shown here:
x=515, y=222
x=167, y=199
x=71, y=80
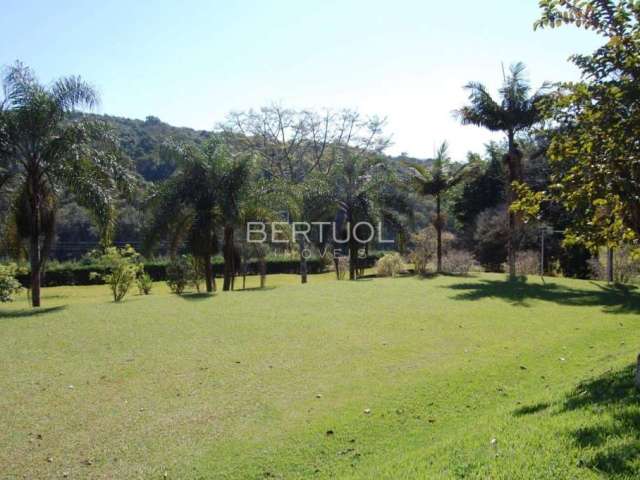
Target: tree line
x=568, y=160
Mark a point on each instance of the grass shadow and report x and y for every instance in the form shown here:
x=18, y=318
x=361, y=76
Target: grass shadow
x=611, y=444
x=254, y=289
x=612, y=298
x=531, y=409
x=432, y=275
x=32, y=312
x=197, y=296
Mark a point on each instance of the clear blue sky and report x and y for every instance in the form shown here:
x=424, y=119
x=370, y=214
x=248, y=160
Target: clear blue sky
x=190, y=62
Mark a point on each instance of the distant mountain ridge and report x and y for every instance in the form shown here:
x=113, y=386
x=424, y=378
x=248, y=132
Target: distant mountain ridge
x=141, y=140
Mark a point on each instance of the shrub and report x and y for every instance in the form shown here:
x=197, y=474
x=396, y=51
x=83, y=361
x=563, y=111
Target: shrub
x=145, y=283
x=180, y=274
x=458, y=262
x=527, y=263
x=626, y=269
x=342, y=264
x=197, y=273
x=424, y=243
x=9, y=286
x=575, y=261
x=122, y=266
x=423, y=251
x=490, y=238
x=390, y=265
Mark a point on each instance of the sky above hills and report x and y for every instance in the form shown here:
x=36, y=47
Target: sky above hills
x=191, y=62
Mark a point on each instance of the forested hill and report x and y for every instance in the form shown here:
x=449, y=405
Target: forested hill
x=141, y=140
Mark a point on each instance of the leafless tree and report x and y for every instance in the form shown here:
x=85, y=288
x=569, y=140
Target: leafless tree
x=293, y=144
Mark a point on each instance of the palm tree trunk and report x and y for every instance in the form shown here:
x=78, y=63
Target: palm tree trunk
x=438, y=234
x=353, y=257
x=208, y=273
x=35, y=259
x=303, y=260
x=244, y=273
x=511, y=251
x=263, y=272
x=229, y=267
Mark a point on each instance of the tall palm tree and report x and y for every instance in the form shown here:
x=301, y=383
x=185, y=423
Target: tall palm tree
x=184, y=208
x=436, y=181
x=515, y=111
x=234, y=183
x=200, y=199
x=44, y=152
x=361, y=191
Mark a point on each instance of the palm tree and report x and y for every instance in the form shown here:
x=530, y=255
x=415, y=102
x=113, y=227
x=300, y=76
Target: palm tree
x=362, y=193
x=44, y=152
x=202, y=197
x=436, y=182
x=184, y=208
x=234, y=183
x=517, y=110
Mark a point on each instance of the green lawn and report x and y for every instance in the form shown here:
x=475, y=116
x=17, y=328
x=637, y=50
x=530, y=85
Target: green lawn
x=449, y=377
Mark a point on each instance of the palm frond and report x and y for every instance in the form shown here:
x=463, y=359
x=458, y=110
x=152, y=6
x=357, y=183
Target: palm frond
x=72, y=92
x=482, y=111
x=19, y=85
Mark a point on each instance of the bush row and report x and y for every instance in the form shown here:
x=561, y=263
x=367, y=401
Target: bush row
x=80, y=274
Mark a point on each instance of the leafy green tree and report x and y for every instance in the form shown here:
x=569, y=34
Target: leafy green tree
x=43, y=152
x=483, y=191
x=436, y=181
x=516, y=111
x=594, y=151
x=299, y=150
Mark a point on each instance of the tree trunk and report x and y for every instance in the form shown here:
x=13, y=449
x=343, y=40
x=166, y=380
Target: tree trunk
x=244, y=274
x=229, y=258
x=263, y=272
x=511, y=176
x=610, y=272
x=353, y=257
x=511, y=251
x=438, y=235
x=35, y=259
x=638, y=373
x=208, y=273
x=303, y=260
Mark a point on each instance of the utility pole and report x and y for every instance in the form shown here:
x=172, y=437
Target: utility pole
x=544, y=231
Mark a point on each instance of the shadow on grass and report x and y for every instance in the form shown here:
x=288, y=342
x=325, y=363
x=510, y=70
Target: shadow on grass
x=613, y=299
x=254, y=289
x=31, y=312
x=531, y=409
x=197, y=296
x=611, y=445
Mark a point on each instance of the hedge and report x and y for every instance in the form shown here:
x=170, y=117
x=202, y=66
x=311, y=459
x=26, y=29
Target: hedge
x=80, y=274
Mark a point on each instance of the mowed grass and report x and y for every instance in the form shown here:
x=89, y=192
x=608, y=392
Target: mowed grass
x=449, y=377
